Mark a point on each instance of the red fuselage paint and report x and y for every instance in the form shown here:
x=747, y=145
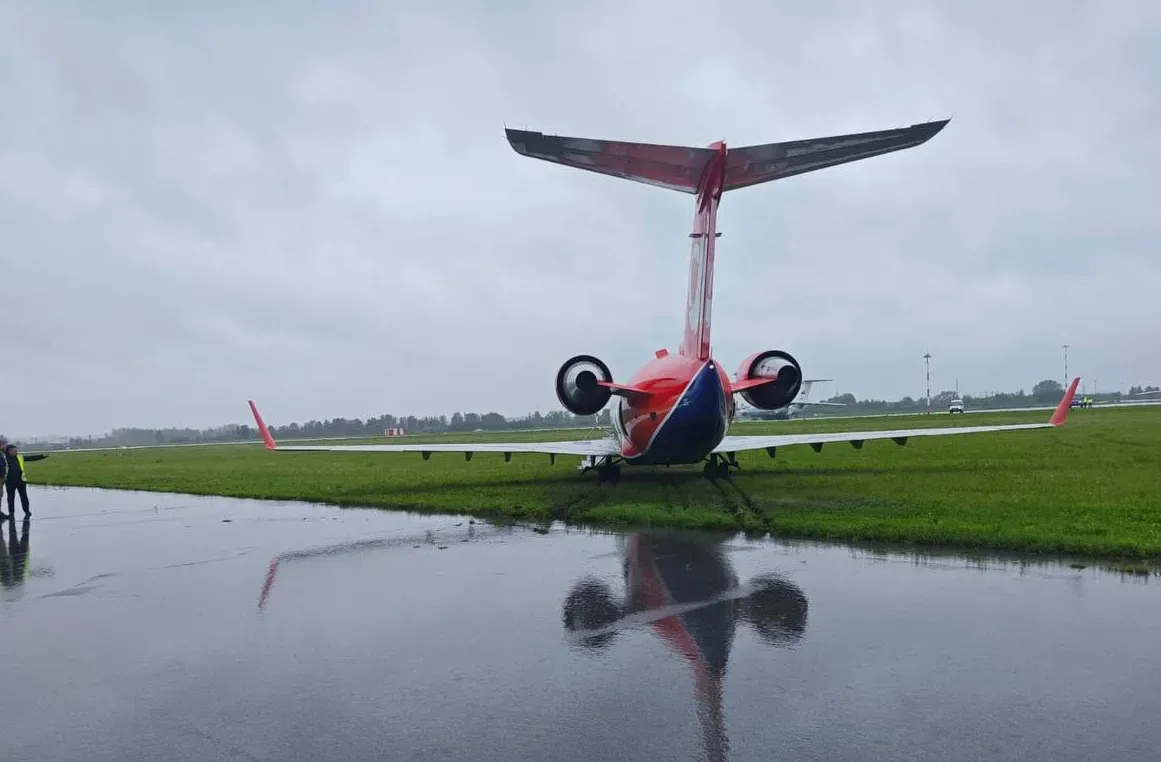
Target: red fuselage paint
x=690, y=405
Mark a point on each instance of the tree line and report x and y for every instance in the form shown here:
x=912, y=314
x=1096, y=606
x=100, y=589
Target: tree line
x=1045, y=392
x=338, y=427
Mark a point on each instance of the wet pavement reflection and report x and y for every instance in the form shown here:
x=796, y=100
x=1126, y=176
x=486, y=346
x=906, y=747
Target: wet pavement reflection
x=14, y=555
x=683, y=587
x=145, y=626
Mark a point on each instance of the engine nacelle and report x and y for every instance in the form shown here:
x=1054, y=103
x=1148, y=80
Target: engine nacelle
x=577, y=387
x=773, y=363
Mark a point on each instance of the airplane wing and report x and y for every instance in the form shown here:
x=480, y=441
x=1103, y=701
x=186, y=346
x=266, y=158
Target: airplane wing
x=590, y=447
x=900, y=436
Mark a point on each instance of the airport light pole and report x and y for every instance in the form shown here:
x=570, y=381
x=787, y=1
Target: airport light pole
x=1065, y=348
x=927, y=361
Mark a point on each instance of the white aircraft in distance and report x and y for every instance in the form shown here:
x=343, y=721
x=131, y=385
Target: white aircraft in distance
x=791, y=410
x=678, y=408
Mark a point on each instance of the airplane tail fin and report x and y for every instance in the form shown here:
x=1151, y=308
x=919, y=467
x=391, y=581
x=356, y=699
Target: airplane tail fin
x=804, y=393
x=708, y=172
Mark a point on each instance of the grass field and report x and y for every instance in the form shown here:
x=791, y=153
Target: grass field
x=1090, y=488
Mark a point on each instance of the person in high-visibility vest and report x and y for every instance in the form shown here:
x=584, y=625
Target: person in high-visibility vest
x=15, y=481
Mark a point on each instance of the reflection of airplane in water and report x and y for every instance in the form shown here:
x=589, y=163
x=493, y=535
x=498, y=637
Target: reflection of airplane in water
x=684, y=588
x=474, y=531
x=14, y=555
x=678, y=583
x=789, y=411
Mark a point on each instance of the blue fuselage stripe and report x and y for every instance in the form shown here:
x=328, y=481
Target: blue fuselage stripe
x=695, y=426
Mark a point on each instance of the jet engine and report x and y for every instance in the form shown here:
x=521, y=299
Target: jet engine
x=577, y=387
x=773, y=363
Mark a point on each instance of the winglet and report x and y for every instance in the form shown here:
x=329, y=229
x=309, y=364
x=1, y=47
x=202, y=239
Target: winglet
x=265, y=432
x=1061, y=414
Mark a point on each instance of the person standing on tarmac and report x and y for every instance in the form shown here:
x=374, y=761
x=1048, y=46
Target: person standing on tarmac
x=14, y=480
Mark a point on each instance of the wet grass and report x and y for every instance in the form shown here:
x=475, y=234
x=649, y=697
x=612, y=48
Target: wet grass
x=1090, y=488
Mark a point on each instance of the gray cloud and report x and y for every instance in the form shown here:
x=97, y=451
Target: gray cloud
x=318, y=209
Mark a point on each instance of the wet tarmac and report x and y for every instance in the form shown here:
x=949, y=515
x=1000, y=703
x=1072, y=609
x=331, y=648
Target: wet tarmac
x=140, y=626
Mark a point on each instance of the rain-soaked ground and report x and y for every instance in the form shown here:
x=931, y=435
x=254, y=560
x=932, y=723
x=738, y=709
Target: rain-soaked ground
x=153, y=627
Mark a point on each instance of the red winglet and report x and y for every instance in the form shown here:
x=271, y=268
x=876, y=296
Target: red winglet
x=265, y=432
x=1061, y=414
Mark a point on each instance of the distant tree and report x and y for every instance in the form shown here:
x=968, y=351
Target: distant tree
x=943, y=399
x=1047, y=392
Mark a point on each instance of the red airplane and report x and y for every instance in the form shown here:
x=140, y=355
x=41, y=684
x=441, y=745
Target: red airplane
x=677, y=409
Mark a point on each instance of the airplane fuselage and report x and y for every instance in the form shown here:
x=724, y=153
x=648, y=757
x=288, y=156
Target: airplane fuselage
x=685, y=417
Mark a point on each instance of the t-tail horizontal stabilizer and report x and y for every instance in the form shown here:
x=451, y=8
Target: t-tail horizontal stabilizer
x=680, y=168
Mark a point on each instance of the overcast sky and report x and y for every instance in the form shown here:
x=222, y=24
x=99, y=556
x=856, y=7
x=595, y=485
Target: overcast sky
x=316, y=206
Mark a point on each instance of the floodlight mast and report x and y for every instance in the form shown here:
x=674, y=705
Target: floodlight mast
x=927, y=360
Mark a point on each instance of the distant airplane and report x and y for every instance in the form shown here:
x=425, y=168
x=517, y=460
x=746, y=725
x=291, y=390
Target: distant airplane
x=676, y=410
x=791, y=410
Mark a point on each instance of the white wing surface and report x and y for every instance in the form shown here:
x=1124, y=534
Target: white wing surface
x=856, y=438
x=588, y=447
